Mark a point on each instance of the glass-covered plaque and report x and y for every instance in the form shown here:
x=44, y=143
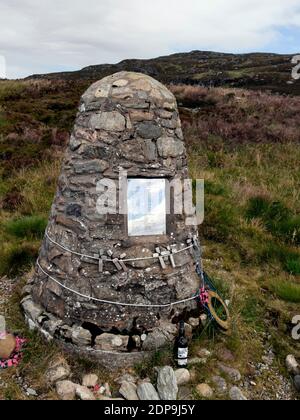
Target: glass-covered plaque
x=146, y=205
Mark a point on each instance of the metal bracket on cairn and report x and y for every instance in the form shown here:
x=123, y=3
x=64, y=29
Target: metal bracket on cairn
x=160, y=256
x=121, y=262
x=172, y=249
x=102, y=259
x=195, y=250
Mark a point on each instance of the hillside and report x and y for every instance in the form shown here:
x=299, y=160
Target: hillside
x=244, y=143
x=252, y=71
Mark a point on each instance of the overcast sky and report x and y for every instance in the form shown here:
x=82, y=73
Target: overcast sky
x=41, y=36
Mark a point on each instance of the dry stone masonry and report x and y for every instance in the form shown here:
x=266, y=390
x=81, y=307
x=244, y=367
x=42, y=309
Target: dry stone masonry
x=126, y=122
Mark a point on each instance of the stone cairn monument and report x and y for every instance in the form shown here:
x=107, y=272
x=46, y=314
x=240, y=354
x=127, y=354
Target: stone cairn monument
x=113, y=286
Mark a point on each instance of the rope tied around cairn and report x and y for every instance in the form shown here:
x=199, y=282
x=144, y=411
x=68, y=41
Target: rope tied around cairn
x=91, y=298
x=120, y=263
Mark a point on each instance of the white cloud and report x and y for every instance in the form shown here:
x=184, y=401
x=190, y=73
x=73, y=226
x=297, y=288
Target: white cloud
x=42, y=36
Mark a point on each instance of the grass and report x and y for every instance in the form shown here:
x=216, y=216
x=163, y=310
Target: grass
x=287, y=291
x=27, y=227
x=17, y=258
x=241, y=144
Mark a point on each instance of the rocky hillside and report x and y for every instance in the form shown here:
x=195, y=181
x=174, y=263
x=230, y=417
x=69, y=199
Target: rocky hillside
x=252, y=71
x=245, y=144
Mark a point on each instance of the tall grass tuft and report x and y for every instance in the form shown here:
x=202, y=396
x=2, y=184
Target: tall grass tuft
x=287, y=291
x=16, y=258
x=27, y=227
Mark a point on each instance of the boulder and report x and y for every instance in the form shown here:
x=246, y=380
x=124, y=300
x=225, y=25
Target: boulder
x=58, y=370
x=204, y=391
x=233, y=374
x=111, y=342
x=81, y=337
x=183, y=376
x=236, y=394
x=66, y=390
x=292, y=365
x=155, y=340
x=31, y=309
x=83, y=393
x=220, y=384
x=167, y=384
x=169, y=147
x=147, y=392
x=128, y=390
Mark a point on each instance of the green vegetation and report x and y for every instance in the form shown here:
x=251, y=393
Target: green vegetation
x=287, y=291
x=27, y=227
x=238, y=142
x=17, y=258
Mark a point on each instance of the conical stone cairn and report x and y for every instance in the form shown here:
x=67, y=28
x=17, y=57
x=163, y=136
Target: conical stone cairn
x=116, y=267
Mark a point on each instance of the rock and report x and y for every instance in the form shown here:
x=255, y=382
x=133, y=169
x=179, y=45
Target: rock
x=204, y=391
x=194, y=322
x=149, y=130
x=58, y=370
x=128, y=390
x=139, y=115
x=233, y=374
x=84, y=393
x=109, y=121
x=74, y=143
x=297, y=382
x=220, y=384
x=81, y=337
x=66, y=390
x=169, y=147
x=185, y=393
x=31, y=309
x=292, y=365
x=155, y=340
x=167, y=384
x=51, y=326
x=147, y=392
x=31, y=392
x=91, y=167
x=225, y=355
x=139, y=251
x=183, y=376
x=204, y=353
x=236, y=394
x=110, y=342
x=90, y=381
x=126, y=378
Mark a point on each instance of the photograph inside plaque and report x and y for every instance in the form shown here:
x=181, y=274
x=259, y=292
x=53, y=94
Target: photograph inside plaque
x=146, y=204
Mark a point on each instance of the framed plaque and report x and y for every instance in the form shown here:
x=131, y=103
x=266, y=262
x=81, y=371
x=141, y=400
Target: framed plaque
x=146, y=207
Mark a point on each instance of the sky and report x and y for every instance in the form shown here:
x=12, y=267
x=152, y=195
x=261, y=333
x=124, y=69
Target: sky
x=60, y=35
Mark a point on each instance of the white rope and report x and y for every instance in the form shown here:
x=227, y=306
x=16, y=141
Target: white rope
x=109, y=260
x=111, y=302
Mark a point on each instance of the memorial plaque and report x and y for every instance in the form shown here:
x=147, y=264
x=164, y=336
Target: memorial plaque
x=146, y=204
